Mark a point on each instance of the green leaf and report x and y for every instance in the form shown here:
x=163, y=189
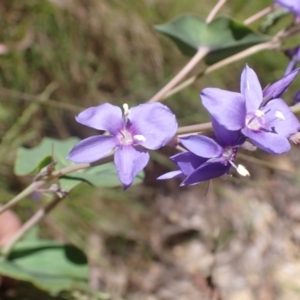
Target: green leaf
x=33, y=160
x=30, y=161
x=223, y=36
x=49, y=265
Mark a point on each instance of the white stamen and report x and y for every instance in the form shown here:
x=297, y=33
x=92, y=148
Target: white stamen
x=242, y=170
x=279, y=115
x=259, y=113
x=126, y=109
x=139, y=138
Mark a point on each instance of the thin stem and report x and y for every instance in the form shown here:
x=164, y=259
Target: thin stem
x=29, y=190
x=295, y=108
x=56, y=174
x=188, y=67
x=194, y=128
x=220, y=64
x=263, y=163
x=258, y=15
x=238, y=56
x=215, y=10
x=181, y=149
x=70, y=169
x=37, y=217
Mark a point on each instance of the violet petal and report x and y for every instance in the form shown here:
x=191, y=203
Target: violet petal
x=188, y=162
x=276, y=89
x=251, y=89
x=227, y=108
x=172, y=174
x=291, y=65
x=129, y=161
x=155, y=122
x=270, y=142
x=287, y=127
x=224, y=136
x=206, y=172
x=92, y=149
x=106, y=117
x=202, y=146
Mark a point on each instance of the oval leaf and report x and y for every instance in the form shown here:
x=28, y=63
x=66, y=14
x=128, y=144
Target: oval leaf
x=49, y=265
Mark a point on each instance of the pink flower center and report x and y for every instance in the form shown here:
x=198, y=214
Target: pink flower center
x=229, y=154
x=125, y=137
x=254, y=122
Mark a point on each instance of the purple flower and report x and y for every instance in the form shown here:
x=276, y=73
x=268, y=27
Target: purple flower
x=291, y=5
x=146, y=126
x=208, y=158
x=267, y=124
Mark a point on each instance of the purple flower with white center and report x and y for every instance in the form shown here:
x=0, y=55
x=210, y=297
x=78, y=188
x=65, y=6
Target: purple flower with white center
x=208, y=158
x=267, y=123
x=291, y=5
x=146, y=126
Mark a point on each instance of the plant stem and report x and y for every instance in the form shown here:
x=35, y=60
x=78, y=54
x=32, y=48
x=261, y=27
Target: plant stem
x=56, y=174
x=29, y=190
x=295, y=108
x=38, y=216
x=188, y=67
x=258, y=15
x=220, y=64
x=264, y=163
x=194, y=128
x=215, y=10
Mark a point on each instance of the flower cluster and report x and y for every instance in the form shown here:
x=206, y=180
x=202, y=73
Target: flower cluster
x=260, y=116
x=254, y=114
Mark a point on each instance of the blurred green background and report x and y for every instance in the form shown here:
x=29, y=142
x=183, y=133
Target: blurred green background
x=60, y=56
